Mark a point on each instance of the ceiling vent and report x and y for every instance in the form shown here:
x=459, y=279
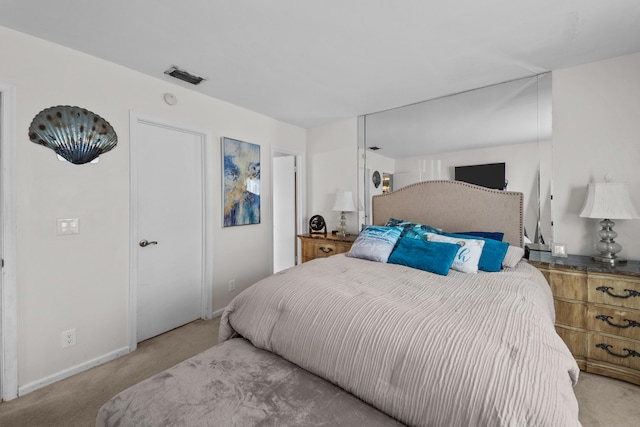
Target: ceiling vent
x=374, y=148
x=184, y=76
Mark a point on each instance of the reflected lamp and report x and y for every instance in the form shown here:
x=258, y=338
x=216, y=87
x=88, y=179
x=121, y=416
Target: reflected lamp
x=608, y=201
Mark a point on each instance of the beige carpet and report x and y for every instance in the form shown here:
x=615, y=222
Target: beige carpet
x=74, y=402
x=604, y=402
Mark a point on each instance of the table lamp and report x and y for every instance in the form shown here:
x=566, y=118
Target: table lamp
x=343, y=204
x=608, y=200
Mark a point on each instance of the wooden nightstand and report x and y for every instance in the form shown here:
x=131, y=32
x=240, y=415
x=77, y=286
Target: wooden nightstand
x=322, y=246
x=597, y=312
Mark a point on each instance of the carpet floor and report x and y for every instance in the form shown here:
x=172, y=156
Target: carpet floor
x=74, y=402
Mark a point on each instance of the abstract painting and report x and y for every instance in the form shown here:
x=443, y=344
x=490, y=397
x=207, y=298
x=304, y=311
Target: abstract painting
x=241, y=180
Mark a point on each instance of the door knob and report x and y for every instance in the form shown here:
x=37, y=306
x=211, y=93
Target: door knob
x=145, y=243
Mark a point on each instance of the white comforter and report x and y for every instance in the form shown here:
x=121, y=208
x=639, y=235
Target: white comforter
x=429, y=350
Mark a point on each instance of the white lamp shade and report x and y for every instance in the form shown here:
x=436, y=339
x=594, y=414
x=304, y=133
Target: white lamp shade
x=344, y=202
x=608, y=200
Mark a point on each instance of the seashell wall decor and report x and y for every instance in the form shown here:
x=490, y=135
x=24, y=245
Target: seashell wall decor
x=74, y=133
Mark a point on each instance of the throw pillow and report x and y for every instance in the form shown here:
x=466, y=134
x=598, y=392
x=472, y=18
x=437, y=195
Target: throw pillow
x=434, y=257
x=493, y=252
x=467, y=257
x=513, y=256
x=375, y=243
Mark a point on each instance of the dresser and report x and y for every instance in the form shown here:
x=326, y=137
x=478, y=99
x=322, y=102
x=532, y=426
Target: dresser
x=597, y=312
x=322, y=246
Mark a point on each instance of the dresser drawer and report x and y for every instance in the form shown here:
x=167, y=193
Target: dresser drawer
x=571, y=313
x=568, y=285
x=614, y=290
x=616, y=351
x=597, y=312
x=315, y=246
x=324, y=249
x=624, y=323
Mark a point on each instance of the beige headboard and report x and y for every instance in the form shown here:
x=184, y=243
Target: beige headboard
x=454, y=206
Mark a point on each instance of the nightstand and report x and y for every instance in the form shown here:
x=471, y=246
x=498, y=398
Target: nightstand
x=322, y=246
x=597, y=312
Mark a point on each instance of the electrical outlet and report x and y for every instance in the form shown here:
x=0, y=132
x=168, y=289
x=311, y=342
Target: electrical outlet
x=68, y=338
x=232, y=285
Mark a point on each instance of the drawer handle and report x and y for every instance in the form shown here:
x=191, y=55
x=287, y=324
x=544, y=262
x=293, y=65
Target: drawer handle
x=630, y=292
x=325, y=250
x=630, y=353
x=605, y=318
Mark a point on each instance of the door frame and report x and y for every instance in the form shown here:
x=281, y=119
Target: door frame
x=8, y=218
x=300, y=201
x=135, y=120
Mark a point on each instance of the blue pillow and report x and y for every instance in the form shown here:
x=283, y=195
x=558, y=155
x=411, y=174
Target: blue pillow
x=412, y=230
x=493, y=235
x=375, y=243
x=493, y=252
x=434, y=257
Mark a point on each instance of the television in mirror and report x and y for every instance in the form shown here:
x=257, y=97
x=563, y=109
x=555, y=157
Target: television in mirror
x=491, y=175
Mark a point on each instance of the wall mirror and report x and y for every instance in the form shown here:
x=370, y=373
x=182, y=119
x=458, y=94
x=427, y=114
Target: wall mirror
x=508, y=122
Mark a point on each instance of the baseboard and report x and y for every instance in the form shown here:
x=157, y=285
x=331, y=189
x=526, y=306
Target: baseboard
x=217, y=313
x=28, y=388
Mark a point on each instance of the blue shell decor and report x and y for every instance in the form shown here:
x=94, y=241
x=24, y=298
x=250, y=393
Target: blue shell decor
x=74, y=133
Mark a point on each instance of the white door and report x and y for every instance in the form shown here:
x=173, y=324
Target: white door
x=168, y=228
x=284, y=212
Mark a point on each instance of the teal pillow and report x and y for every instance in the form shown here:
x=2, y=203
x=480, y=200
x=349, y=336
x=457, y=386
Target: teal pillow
x=434, y=257
x=493, y=252
x=412, y=230
x=375, y=243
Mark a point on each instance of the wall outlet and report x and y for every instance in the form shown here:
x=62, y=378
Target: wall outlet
x=68, y=338
x=232, y=285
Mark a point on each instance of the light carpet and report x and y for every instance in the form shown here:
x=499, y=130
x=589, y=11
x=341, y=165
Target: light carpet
x=74, y=402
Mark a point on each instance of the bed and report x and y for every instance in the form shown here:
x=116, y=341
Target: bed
x=350, y=341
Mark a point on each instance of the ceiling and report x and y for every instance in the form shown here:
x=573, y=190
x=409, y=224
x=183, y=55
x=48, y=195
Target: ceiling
x=309, y=63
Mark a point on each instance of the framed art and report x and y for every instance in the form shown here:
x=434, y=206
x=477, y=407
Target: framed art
x=241, y=182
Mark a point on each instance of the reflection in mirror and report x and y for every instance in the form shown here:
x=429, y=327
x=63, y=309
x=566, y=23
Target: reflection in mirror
x=387, y=182
x=505, y=123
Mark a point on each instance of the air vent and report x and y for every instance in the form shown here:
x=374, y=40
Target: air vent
x=184, y=76
x=374, y=148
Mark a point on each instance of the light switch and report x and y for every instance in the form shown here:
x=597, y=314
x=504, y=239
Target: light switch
x=68, y=226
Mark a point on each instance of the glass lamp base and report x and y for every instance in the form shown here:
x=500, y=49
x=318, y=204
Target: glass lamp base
x=607, y=246
x=609, y=260
x=342, y=227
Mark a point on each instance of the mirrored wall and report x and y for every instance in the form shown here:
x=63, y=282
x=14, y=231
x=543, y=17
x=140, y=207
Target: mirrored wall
x=506, y=123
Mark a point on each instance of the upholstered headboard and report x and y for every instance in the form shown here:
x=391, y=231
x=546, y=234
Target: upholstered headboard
x=454, y=206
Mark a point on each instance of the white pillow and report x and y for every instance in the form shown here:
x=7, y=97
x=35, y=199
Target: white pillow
x=513, y=256
x=468, y=256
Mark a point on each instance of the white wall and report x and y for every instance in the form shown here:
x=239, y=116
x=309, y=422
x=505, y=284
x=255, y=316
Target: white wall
x=596, y=132
x=332, y=165
x=82, y=281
